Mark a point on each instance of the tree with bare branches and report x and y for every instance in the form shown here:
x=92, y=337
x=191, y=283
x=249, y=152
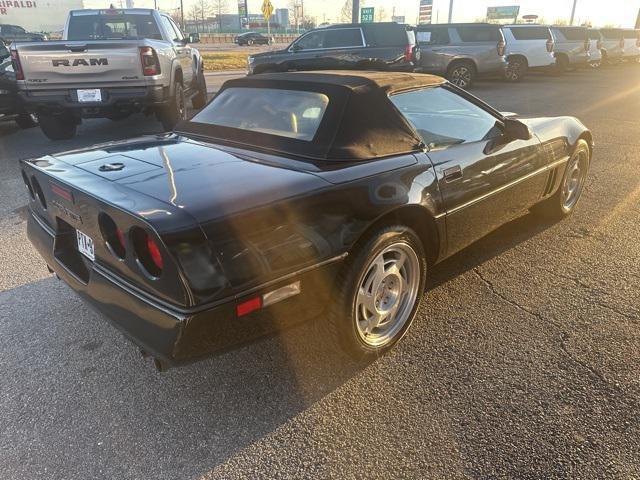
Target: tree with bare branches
x=345, y=13
x=219, y=7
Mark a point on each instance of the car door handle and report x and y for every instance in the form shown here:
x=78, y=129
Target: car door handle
x=453, y=173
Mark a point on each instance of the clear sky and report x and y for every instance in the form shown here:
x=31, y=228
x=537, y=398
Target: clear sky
x=598, y=12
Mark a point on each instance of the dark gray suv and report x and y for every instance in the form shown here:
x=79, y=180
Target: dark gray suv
x=461, y=51
x=375, y=46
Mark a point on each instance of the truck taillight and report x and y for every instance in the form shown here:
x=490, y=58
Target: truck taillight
x=408, y=53
x=17, y=66
x=500, y=48
x=549, y=45
x=150, y=61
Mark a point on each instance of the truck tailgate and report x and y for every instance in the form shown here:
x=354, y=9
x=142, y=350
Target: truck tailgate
x=81, y=64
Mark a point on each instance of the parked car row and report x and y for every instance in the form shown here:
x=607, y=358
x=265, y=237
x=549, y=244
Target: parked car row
x=461, y=52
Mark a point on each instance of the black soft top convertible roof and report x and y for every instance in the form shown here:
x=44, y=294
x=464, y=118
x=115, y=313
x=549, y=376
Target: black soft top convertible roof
x=360, y=122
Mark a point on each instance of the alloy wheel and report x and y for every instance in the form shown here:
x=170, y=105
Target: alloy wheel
x=386, y=295
x=461, y=76
x=574, y=180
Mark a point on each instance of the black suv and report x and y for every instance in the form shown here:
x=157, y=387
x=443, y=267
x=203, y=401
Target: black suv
x=252, y=38
x=379, y=46
x=14, y=33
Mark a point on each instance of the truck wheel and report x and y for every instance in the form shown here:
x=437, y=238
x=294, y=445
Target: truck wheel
x=516, y=69
x=58, y=127
x=377, y=293
x=199, y=100
x=27, y=120
x=176, y=111
x=461, y=74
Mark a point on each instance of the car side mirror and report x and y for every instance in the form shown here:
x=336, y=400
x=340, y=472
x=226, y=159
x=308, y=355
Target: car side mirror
x=515, y=130
x=296, y=48
x=194, y=38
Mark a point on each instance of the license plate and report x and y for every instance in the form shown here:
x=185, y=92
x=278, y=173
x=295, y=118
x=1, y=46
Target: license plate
x=89, y=95
x=85, y=245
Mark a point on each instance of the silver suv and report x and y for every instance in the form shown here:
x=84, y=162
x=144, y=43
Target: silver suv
x=461, y=51
x=571, y=47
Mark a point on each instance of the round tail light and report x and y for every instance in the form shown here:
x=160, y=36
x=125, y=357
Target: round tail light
x=147, y=252
x=113, y=236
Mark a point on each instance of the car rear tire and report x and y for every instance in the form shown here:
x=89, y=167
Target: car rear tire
x=250, y=42
x=462, y=74
x=199, y=100
x=27, y=120
x=176, y=111
x=377, y=293
x=562, y=65
x=58, y=127
x=562, y=203
x=516, y=70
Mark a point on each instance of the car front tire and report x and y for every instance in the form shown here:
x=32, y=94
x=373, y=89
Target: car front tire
x=562, y=203
x=199, y=100
x=378, y=292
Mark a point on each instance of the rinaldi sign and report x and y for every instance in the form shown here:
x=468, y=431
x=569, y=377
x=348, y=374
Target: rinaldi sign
x=5, y=5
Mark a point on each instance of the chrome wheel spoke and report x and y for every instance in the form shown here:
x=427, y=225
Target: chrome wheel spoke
x=387, y=294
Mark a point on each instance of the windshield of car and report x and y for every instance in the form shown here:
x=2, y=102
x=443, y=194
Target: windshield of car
x=442, y=117
x=117, y=26
x=285, y=113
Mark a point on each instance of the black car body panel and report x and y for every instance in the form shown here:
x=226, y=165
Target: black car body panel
x=373, y=46
x=252, y=38
x=236, y=222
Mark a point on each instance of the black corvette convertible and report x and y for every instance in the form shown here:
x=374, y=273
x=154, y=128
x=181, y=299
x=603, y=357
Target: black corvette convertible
x=292, y=195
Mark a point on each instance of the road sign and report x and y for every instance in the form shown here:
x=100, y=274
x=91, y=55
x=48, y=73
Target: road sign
x=398, y=19
x=366, y=15
x=267, y=9
x=426, y=11
x=502, y=13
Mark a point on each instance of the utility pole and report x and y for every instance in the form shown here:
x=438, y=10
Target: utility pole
x=182, y=14
x=450, y=10
x=573, y=12
x=355, y=11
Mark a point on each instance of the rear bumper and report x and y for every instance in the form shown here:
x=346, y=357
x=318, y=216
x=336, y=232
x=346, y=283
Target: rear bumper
x=177, y=336
x=66, y=98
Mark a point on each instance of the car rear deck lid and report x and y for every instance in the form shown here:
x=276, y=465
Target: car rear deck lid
x=116, y=167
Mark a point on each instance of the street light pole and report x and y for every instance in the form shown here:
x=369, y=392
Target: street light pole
x=182, y=14
x=450, y=10
x=573, y=12
x=355, y=11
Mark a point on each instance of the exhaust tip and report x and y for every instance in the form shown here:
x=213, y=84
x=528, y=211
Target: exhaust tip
x=161, y=366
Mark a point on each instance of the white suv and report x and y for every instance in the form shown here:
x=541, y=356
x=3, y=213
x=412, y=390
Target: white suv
x=528, y=46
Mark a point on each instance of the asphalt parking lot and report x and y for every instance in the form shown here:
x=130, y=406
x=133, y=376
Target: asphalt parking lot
x=524, y=361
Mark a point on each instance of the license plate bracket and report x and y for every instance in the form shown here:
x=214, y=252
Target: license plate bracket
x=89, y=95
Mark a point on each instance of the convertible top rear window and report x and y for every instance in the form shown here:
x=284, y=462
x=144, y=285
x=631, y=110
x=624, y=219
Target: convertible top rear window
x=321, y=115
x=284, y=113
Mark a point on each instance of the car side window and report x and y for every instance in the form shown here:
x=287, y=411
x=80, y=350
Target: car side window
x=176, y=28
x=166, y=23
x=442, y=117
x=311, y=41
x=433, y=36
x=344, y=37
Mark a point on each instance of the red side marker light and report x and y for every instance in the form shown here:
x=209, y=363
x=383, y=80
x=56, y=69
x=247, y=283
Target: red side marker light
x=245, y=308
x=61, y=192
